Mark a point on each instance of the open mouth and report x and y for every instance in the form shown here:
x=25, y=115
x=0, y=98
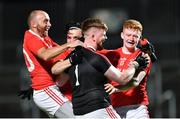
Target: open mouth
x=132, y=43
x=47, y=28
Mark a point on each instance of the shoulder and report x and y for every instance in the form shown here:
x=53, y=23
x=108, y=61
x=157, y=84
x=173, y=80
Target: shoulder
x=29, y=36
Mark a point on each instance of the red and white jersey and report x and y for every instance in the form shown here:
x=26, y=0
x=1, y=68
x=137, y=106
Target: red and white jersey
x=40, y=71
x=137, y=95
x=66, y=89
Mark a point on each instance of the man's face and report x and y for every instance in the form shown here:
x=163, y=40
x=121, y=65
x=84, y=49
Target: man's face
x=43, y=23
x=100, y=37
x=74, y=34
x=130, y=38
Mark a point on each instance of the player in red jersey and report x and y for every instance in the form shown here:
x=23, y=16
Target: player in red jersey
x=39, y=51
x=73, y=32
x=130, y=100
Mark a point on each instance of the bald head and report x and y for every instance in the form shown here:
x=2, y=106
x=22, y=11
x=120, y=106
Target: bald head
x=39, y=22
x=34, y=15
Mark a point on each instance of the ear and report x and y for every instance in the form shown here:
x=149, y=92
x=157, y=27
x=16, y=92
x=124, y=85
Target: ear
x=33, y=24
x=141, y=37
x=122, y=35
x=93, y=37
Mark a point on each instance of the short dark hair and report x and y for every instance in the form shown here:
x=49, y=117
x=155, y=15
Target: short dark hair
x=93, y=22
x=72, y=25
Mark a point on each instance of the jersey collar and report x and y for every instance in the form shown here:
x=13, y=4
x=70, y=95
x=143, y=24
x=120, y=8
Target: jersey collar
x=35, y=34
x=92, y=48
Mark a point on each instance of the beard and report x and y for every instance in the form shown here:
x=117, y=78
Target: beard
x=100, y=46
x=43, y=31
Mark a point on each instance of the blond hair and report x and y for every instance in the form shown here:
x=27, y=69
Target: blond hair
x=133, y=24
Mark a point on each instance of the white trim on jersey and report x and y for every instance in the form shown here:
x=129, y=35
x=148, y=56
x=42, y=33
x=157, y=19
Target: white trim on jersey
x=42, y=39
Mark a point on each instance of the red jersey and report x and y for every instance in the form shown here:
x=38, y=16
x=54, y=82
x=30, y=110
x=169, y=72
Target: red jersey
x=137, y=95
x=66, y=88
x=40, y=71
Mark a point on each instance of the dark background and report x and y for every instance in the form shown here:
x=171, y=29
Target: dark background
x=161, y=21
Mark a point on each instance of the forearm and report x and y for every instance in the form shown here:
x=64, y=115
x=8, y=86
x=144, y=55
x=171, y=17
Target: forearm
x=59, y=67
x=54, y=51
x=128, y=86
x=49, y=53
x=132, y=83
x=121, y=77
x=61, y=79
x=128, y=74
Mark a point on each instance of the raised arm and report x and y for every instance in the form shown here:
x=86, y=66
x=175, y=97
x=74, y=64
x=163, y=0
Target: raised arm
x=47, y=54
x=121, y=77
x=74, y=58
x=134, y=82
x=101, y=64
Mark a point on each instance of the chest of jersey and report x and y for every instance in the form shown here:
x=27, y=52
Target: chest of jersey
x=85, y=78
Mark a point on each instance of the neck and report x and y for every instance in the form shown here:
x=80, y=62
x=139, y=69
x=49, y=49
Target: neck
x=30, y=30
x=128, y=51
x=44, y=34
x=90, y=45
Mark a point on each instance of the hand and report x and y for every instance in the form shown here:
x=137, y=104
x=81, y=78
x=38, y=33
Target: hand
x=142, y=60
x=76, y=56
x=26, y=93
x=145, y=46
x=76, y=43
x=110, y=88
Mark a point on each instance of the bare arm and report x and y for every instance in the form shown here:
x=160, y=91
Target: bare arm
x=60, y=66
x=131, y=84
x=62, y=79
x=121, y=77
x=101, y=64
x=75, y=57
x=134, y=82
x=47, y=54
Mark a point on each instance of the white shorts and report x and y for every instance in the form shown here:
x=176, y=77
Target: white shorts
x=49, y=99
x=104, y=113
x=133, y=112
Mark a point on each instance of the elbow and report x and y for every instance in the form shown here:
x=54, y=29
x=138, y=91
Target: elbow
x=54, y=71
x=46, y=58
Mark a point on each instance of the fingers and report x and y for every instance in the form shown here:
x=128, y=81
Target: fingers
x=112, y=91
x=75, y=43
x=23, y=94
x=109, y=88
x=147, y=58
x=106, y=86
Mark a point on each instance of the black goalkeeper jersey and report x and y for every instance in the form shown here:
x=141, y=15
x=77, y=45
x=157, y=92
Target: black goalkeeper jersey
x=88, y=88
